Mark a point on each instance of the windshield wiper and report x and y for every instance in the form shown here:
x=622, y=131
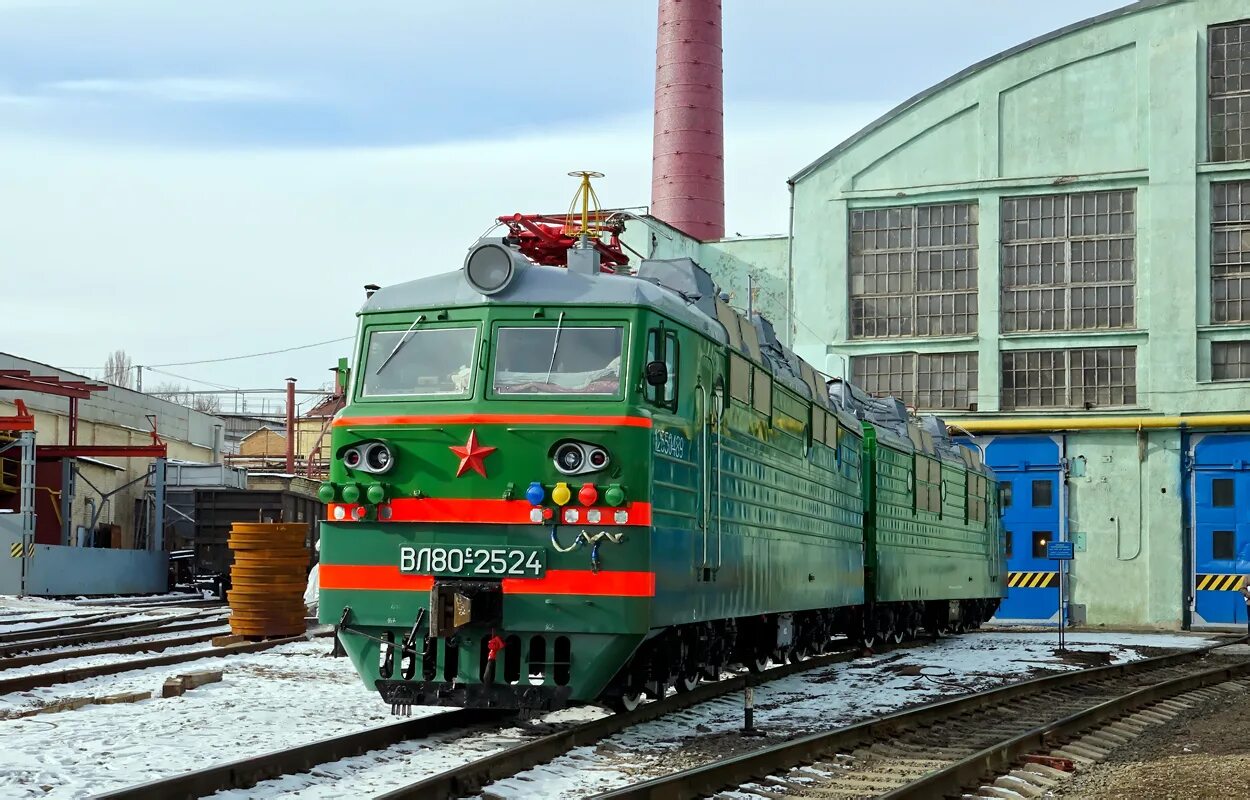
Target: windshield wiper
x=555, y=345
x=400, y=343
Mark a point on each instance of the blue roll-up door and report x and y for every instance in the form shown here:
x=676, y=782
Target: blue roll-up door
x=1030, y=466
x=1220, y=483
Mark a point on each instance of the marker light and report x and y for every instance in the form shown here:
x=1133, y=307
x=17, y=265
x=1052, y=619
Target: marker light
x=376, y=493
x=326, y=492
x=340, y=512
x=548, y=513
x=615, y=495
x=359, y=512
x=593, y=516
x=536, y=514
x=561, y=494
x=535, y=493
x=621, y=517
x=351, y=493
x=587, y=494
x=570, y=515
x=352, y=458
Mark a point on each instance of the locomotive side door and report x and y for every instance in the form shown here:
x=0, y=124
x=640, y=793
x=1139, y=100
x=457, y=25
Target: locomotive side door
x=710, y=405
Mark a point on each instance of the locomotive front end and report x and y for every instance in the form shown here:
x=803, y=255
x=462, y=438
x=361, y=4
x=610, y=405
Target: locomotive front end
x=487, y=542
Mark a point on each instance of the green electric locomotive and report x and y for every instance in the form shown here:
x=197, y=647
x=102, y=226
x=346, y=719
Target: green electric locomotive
x=559, y=485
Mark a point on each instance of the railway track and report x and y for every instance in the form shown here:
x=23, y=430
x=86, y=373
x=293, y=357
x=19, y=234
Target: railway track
x=938, y=749
x=25, y=683
x=76, y=635
x=462, y=780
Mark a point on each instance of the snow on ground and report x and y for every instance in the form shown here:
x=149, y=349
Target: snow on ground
x=290, y=695
x=296, y=694
x=820, y=700
x=151, y=637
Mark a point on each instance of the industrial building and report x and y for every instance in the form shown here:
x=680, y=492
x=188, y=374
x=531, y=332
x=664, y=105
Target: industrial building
x=1050, y=249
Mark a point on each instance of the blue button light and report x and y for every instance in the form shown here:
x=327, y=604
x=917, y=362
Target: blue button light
x=535, y=493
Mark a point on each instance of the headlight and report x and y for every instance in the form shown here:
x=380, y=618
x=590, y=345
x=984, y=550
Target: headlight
x=579, y=458
x=569, y=458
x=489, y=268
x=378, y=457
x=352, y=458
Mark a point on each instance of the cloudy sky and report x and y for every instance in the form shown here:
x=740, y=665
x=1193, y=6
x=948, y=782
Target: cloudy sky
x=193, y=181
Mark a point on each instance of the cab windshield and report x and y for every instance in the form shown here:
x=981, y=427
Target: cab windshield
x=411, y=362
x=558, y=360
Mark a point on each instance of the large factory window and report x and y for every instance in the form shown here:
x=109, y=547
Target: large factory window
x=922, y=380
x=1068, y=261
x=1230, y=361
x=1230, y=252
x=1229, y=91
x=1086, y=378
x=913, y=271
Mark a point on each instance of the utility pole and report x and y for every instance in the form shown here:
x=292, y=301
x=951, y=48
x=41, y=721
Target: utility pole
x=138, y=378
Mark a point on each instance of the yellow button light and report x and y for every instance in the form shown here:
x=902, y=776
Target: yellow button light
x=561, y=494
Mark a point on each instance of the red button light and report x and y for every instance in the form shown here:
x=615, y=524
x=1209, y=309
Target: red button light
x=587, y=494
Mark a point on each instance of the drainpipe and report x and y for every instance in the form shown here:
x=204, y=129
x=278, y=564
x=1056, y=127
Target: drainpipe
x=1106, y=423
x=290, y=426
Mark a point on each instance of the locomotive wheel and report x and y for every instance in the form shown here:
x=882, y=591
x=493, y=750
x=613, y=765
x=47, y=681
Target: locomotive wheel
x=687, y=682
x=868, y=640
x=629, y=700
x=898, y=636
x=797, y=655
x=757, y=664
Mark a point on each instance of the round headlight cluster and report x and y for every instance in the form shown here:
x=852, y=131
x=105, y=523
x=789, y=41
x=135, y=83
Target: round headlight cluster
x=375, y=457
x=489, y=268
x=577, y=458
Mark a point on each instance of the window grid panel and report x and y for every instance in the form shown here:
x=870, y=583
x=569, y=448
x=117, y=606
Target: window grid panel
x=1082, y=378
x=1230, y=252
x=946, y=380
x=1069, y=262
x=1229, y=92
x=913, y=271
x=1230, y=361
x=886, y=375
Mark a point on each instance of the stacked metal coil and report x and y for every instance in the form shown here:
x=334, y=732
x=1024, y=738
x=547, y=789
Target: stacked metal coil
x=268, y=578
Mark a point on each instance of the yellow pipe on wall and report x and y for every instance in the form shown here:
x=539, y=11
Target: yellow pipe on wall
x=1108, y=423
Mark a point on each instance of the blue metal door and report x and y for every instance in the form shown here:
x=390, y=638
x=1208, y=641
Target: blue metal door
x=1221, y=527
x=1029, y=467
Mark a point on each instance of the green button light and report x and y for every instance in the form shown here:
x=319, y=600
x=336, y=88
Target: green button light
x=615, y=495
x=326, y=492
x=351, y=493
x=376, y=493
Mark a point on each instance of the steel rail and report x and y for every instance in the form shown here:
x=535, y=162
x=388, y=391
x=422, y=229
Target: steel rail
x=28, y=682
x=1003, y=755
x=246, y=773
x=82, y=623
x=155, y=646
x=469, y=778
x=733, y=772
x=166, y=625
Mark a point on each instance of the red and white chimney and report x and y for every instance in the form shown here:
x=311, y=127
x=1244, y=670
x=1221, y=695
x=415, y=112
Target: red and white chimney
x=688, y=162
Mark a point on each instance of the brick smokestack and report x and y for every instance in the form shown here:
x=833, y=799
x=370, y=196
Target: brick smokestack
x=688, y=162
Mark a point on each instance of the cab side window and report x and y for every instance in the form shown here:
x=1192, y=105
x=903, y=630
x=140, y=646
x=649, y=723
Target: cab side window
x=662, y=345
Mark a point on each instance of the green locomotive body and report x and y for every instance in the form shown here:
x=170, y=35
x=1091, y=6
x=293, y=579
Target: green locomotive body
x=553, y=486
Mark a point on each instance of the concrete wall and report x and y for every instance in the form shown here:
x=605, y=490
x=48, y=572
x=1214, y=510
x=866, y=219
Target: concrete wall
x=1120, y=103
x=115, y=417
x=765, y=259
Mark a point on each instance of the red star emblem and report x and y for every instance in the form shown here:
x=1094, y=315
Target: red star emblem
x=471, y=456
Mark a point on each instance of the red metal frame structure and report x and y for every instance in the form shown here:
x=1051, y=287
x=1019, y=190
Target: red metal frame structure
x=22, y=381
x=546, y=238
x=23, y=420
